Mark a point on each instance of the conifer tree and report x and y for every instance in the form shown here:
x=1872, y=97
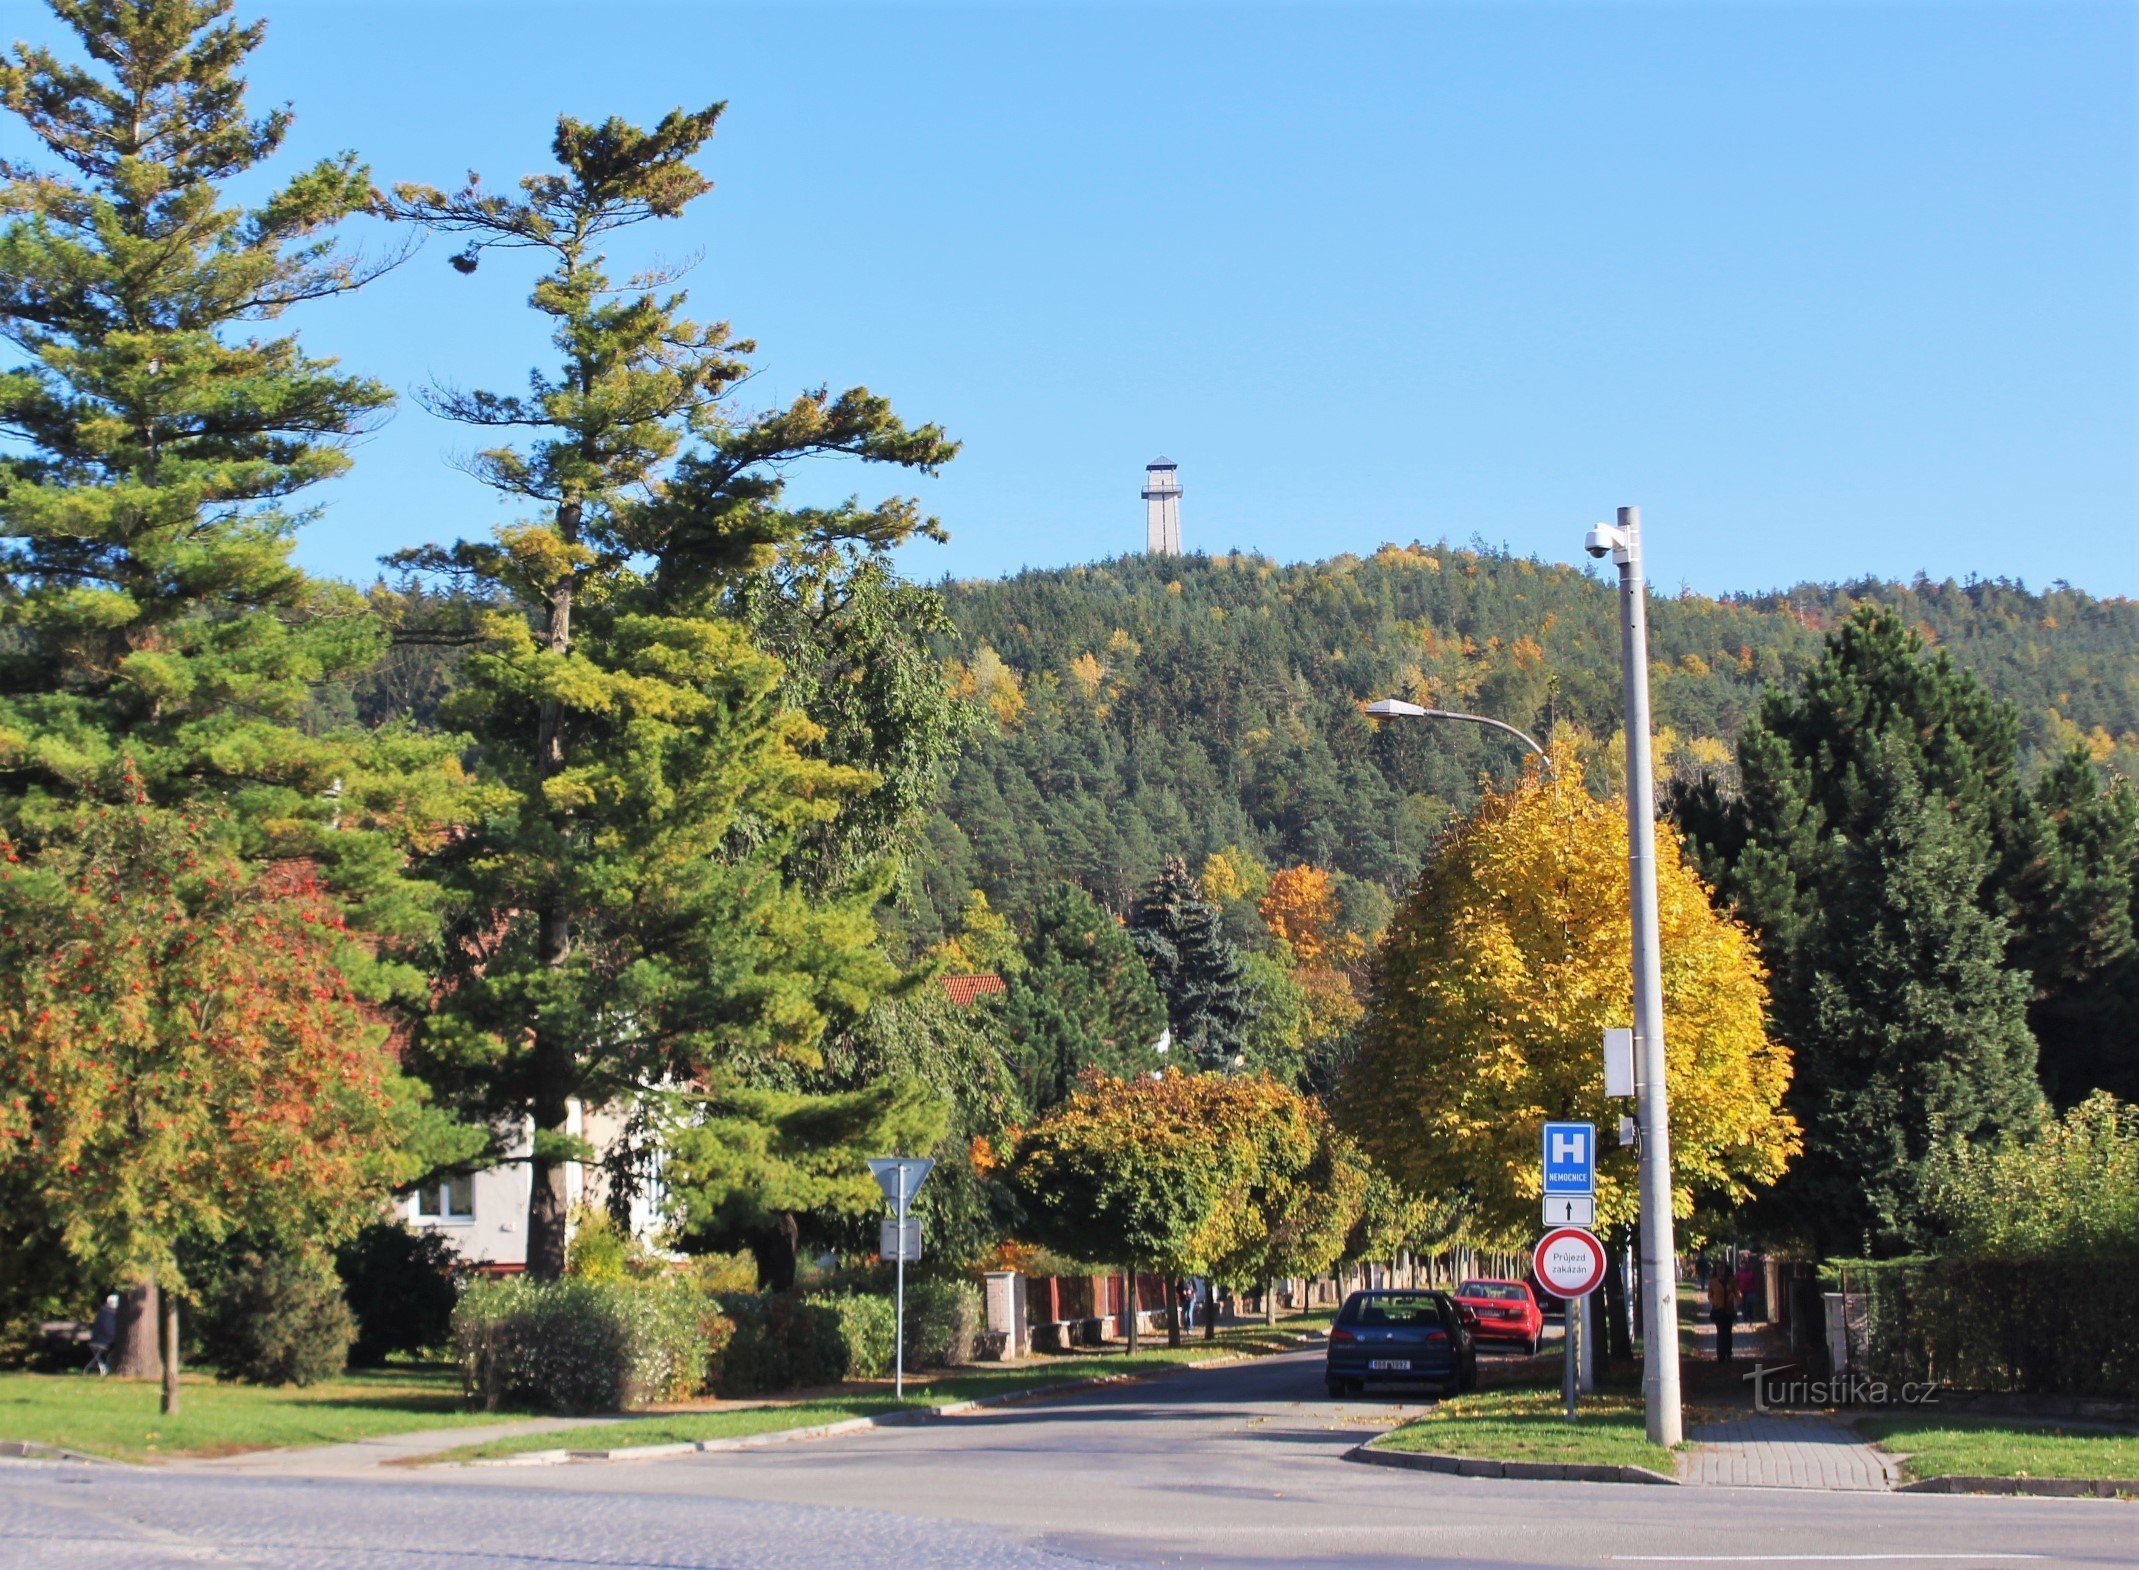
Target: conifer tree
x=628, y=909
x=2078, y=895
x=1865, y=850
x=1911, y=1029
x=1200, y=974
x=160, y=431
x=1081, y=1000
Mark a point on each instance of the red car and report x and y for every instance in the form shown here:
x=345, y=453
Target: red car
x=1506, y=1310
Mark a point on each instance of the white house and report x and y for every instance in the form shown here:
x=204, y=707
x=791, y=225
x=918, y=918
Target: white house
x=483, y=1214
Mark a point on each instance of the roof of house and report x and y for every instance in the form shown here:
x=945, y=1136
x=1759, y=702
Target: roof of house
x=968, y=990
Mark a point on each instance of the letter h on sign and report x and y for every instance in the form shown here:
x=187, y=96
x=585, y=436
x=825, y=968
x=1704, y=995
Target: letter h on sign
x=1570, y=1158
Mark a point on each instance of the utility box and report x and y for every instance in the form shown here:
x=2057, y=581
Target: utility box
x=1006, y=1312
x=1837, y=1305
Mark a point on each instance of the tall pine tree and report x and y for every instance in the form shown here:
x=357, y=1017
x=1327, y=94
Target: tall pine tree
x=629, y=913
x=1200, y=973
x=151, y=608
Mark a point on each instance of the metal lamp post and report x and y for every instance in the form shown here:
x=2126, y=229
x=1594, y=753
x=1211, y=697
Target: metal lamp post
x=1659, y=1276
x=1398, y=709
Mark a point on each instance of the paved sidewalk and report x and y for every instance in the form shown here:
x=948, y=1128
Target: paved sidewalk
x=1781, y=1450
x=366, y=1455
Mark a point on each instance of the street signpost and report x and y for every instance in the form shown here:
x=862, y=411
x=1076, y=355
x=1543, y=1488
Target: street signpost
x=901, y=1177
x=1568, y=1171
x=1570, y=1264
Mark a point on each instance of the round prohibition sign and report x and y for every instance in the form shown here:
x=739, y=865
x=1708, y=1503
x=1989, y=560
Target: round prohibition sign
x=1570, y=1262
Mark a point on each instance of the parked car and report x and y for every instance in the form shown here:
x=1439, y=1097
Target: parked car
x=1507, y=1311
x=1393, y=1337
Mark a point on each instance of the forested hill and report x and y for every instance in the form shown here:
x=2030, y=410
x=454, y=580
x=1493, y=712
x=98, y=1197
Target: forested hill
x=1151, y=706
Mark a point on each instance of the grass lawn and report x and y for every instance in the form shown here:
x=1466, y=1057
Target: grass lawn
x=874, y=1399
x=1985, y=1447
x=119, y=1417
x=1531, y=1425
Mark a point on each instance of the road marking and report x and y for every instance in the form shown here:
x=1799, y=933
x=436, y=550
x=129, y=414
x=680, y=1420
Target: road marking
x=1800, y=1559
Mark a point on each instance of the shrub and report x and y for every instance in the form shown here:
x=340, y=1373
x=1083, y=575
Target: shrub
x=721, y=1274
x=586, y=1346
x=401, y=1286
x=783, y=1341
x=943, y=1318
x=277, y=1319
x=2060, y=1326
x=862, y=1334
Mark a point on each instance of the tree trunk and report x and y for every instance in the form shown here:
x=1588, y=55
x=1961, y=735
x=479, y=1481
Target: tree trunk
x=1270, y=1302
x=777, y=1249
x=555, y=1061
x=548, y=1200
x=170, y=1354
x=1130, y=1317
x=1210, y=1312
x=1173, y=1311
x=1619, y=1343
x=134, y=1352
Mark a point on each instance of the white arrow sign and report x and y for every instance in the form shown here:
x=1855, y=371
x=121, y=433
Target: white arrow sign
x=1570, y=1210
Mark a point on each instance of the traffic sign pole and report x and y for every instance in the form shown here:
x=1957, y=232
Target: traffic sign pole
x=898, y=1319
x=1570, y=1264
x=901, y=1177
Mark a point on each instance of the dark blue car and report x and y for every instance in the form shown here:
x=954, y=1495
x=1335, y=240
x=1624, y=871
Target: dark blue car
x=1395, y=1337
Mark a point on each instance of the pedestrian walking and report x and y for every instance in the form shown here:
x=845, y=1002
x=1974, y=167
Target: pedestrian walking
x=103, y=1331
x=1723, y=1309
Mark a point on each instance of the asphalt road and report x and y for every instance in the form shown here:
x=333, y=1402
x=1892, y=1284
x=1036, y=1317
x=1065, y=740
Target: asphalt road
x=1228, y=1468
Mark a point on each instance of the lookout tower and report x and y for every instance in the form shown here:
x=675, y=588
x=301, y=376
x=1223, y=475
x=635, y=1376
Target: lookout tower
x=1162, y=508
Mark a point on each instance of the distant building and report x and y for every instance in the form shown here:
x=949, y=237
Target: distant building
x=965, y=991
x=1162, y=508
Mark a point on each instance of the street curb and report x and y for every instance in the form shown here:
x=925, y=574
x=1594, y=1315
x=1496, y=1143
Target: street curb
x=852, y=1425
x=2035, y=1487
x=1528, y=1471
x=25, y=1450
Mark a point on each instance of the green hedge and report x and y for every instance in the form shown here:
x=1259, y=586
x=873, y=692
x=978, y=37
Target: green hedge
x=2041, y=1326
x=587, y=1346
x=784, y=1341
x=943, y=1319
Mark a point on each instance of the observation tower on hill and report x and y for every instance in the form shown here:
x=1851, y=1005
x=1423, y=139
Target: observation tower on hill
x=1162, y=508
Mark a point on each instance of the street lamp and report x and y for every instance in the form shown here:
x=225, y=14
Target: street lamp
x=1660, y=1364
x=1398, y=709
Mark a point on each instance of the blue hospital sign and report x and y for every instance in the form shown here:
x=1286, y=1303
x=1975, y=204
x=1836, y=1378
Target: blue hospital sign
x=1570, y=1158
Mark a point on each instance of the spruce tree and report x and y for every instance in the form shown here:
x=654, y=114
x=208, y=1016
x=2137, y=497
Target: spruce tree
x=629, y=911
x=1910, y=1026
x=151, y=607
x=1865, y=849
x=2077, y=881
x=1081, y=1000
x=1200, y=974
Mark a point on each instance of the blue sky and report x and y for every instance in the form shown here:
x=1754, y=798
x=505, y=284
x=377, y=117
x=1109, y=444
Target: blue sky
x=1828, y=289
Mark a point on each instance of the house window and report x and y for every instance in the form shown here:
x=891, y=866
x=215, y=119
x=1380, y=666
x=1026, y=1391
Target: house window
x=447, y=1199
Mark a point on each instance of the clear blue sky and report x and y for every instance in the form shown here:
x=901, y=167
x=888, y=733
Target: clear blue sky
x=1829, y=289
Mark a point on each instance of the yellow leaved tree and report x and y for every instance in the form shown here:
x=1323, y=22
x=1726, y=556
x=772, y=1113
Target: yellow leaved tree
x=1491, y=993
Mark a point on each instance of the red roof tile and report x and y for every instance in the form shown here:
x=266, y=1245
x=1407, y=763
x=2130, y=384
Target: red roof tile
x=965, y=991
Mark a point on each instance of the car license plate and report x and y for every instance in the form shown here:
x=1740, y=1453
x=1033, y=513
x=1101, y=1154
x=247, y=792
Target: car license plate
x=1389, y=1363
